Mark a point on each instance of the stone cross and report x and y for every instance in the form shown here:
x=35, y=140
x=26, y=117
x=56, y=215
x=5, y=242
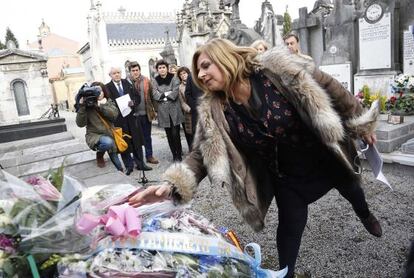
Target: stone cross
x=303, y=26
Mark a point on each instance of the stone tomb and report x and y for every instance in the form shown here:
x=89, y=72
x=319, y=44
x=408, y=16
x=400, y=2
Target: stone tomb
x=390, y=137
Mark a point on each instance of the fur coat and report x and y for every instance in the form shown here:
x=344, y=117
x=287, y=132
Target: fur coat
x=323, y=105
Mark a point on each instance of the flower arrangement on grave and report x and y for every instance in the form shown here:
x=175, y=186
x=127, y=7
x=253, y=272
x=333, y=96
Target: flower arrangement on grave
x=32, y=223
x=366, y=98
x=68, y=230
x=402, y=100
x=156, y=240
x=403, y=83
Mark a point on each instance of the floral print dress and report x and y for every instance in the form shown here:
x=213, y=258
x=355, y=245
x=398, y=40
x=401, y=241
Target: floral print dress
x=269, y=119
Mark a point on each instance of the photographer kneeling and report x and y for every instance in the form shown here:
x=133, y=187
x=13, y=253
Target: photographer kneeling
x=90, y=103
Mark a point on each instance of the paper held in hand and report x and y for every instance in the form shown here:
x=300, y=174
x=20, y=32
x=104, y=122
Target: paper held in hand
x=375, y=161
x=122, y=103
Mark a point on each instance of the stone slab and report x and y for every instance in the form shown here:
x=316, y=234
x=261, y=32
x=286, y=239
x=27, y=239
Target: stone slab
x=375, y=43
x=28, y=157
x=408, y=147
x=32, y=142
x=38, y=149
x=399, y=158
x=52, y=163
x=387, y=146
x=341, y=72
x=386, y=131
x=30, y=130
x=390, y=137
x=380, y=82
x=88, y=169
x=110, y=178
x=408, y=52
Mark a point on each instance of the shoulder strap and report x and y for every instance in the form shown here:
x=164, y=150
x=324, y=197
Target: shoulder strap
x=104, y=122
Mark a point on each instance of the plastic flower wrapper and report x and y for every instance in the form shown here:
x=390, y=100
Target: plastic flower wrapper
x=36, y=220
x=173, y=242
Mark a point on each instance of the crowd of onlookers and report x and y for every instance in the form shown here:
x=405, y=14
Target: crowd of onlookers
x=170, y=97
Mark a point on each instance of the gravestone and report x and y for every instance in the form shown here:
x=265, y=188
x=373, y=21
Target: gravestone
x=408, y=51
x=238, y=32
x=269, y=25
x=378, y=45
x=311, y=30
x=341, y=72
x=302, y=27
x=339, y=58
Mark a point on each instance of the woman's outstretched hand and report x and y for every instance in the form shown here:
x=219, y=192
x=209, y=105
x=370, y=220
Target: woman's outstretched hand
x=151, y=194
x=370, y=139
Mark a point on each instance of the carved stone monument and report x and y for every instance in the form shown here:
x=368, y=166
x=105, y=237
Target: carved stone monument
x=270, y=25
x=378, y=45
x=339, y=58
x=238, y=32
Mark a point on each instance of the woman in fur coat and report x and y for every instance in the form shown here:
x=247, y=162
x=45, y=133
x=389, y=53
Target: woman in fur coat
x=271, y=126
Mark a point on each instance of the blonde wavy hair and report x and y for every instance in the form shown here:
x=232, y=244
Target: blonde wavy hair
x=236, y=63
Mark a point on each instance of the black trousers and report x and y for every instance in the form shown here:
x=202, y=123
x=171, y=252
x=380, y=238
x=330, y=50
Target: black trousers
x=174, y=140
x=137, y=157
x=306, y=177
x=189, y=138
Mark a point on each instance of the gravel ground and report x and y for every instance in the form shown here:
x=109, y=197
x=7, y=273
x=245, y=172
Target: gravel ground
x=335, y=243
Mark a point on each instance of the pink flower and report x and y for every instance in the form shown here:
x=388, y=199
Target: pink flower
x=44, y=188
x=7, y=244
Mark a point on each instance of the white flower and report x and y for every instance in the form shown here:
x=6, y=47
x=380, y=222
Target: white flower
x=168, y=223
x=4, y=220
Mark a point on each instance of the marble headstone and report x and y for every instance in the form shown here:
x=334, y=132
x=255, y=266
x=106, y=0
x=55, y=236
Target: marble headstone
x=378, y=46
x=375, y=43
x=408, y=52
x=341, y=72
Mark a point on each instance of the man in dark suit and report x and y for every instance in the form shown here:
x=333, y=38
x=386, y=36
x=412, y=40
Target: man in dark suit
x=118, y=87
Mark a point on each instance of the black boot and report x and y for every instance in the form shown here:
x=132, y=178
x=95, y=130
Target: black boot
x=372, y=225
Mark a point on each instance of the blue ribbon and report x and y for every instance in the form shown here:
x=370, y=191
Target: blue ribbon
x=256, y=261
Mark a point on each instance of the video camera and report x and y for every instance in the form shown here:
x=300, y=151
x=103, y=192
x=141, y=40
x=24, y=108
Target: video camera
x=89, y=94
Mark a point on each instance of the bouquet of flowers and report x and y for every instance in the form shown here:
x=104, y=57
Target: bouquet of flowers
x=403, y=83
x=36, y=220
x=157, y=240
x=366, y=98
x=402, y=101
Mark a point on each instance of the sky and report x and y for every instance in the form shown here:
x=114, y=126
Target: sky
x=67, y=18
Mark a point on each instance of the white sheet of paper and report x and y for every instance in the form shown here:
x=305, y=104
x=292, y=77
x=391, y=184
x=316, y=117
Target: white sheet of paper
x=375, y=161
x=122, y=103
